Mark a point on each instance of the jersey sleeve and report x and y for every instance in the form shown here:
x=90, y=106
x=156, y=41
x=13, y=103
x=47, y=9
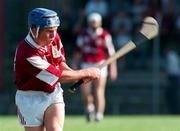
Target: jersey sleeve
x=43, y=70
x=41, y=73
x=109, y=44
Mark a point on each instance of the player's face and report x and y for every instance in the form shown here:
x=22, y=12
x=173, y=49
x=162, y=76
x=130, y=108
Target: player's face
x=95, y=24
x=47, y=35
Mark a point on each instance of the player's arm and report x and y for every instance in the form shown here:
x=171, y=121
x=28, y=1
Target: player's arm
x=48, y=74
x=75, y=75
x=70, y=75
x=111, y=51
x=64, y=66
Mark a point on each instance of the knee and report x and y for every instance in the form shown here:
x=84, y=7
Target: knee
x=55, y=127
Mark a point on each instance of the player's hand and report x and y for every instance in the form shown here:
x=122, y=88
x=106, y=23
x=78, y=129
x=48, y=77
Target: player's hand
x=93, y=73
x=86, y=80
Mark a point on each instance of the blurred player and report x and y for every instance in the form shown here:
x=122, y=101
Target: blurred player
x=40, y=67
x=94, y=45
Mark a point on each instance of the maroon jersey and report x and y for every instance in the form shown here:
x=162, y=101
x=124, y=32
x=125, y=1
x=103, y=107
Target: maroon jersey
x=95, y=46
x=37, y=68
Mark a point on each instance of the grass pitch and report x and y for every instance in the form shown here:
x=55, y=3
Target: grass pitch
x=110, y=123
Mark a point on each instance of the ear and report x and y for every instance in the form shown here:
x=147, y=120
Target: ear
x=33, y=30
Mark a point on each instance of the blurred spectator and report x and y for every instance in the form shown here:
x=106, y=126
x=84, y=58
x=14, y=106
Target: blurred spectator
x=68, y=21
x=121, y=38
x=153, y=7
x=80, y=21
x=167, y=24
x=116, y=5
x=173, y=72
x=177, y=28
x=167, y=5
x=77, y=4
x=121, y=19
x=137, y=10
x=99, y=6
x=177, y=5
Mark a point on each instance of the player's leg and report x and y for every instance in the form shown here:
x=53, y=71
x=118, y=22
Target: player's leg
x=88, y=101
x=86, y=94
x=54, y=117
x=30, y=113
x=39, y=128
x=100, y=97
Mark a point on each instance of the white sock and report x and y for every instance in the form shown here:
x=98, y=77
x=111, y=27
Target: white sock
x=99, y=116
x=90, y=108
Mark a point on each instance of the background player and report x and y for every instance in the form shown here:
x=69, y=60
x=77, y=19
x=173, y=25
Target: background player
x=94, y=45
x=40, y=67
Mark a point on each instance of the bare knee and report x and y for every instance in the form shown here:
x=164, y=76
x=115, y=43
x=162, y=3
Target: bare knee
x=54, y=117
x=54, y=127
x=40, y=128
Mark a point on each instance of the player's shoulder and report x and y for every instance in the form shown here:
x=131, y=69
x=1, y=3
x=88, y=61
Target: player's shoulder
x=105, y=31
x=23, y=46
x=26, y=50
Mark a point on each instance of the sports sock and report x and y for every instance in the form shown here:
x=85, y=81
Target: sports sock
x=99, y=116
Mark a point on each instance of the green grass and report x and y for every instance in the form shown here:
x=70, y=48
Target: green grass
x=110, y=123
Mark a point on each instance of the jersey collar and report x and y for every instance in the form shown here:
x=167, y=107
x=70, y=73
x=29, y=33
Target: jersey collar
x=97, y=32
x=32, y=43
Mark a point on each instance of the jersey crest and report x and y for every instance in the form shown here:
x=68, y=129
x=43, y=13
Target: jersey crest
x=56, y=53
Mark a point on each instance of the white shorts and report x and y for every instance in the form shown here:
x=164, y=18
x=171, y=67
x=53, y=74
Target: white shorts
x=31, y=105
x=104, y=71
